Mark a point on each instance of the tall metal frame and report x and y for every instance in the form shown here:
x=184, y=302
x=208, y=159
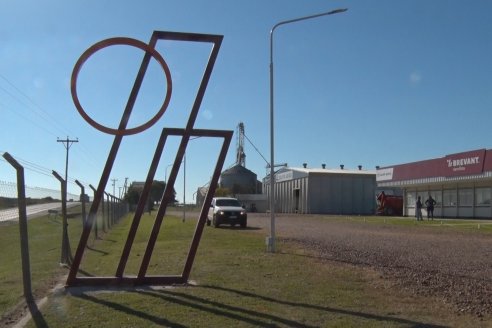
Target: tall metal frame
x=142, y=278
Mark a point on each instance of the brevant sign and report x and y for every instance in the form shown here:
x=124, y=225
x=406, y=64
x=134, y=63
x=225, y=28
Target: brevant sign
x=465, y=163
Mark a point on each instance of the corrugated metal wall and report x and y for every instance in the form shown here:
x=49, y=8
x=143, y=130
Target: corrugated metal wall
x=292, y=196
x=342, y=194
x=347, y=194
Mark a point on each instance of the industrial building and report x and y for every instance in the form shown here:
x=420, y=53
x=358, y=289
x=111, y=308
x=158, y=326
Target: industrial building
x=461, y=184
x=243, y=185
x=323, y=191
x=239, y=181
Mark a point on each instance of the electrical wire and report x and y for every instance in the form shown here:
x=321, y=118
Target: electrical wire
x=33, y=167
x=256, y=149
x=40, y=111
x=43, y=114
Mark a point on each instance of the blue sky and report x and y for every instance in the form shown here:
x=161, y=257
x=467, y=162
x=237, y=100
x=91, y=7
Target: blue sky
x=387, y=82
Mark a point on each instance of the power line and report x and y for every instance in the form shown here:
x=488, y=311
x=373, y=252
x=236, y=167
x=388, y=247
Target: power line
x=33, y=167
x=45, y=115
x=37, y=109
x=26, y=117
x=256, y=149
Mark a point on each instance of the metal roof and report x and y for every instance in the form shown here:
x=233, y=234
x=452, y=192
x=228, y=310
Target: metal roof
x=328, y=171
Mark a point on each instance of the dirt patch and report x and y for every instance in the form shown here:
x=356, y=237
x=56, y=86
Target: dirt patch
x=15, y=315
x=453, y=266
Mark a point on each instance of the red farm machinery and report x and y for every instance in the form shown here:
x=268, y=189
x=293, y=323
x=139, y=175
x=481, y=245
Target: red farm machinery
x=391, y=205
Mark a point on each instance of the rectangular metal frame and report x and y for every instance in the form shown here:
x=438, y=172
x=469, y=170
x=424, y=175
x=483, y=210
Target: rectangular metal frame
x=186, y=133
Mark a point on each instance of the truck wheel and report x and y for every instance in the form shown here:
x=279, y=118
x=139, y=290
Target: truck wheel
x=209, y=222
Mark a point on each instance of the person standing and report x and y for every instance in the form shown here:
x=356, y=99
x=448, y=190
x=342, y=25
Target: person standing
x=430, y=202
x=418, y=209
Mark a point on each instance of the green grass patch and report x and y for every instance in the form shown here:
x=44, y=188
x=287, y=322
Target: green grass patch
x=464, y=225
x=238, y=284
x=45, y=235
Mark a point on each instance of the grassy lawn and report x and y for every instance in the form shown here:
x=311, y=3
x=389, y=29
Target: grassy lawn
x=463, y=225
x=236, y=283
x=45, y=235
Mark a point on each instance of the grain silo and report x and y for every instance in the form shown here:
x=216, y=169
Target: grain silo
x=239, y=180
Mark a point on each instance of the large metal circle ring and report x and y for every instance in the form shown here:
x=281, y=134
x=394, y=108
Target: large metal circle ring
x=120, y=41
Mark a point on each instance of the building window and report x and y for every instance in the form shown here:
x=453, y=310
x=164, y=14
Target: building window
x=449, y=197
x=411, y=199
x=482, y=196
x=465, y=197
x=436, y=195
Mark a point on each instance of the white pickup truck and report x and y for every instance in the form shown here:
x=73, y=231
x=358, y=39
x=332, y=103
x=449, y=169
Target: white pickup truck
x=226, y=210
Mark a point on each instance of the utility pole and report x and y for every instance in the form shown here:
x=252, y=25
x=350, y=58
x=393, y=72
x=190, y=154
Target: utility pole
x=114, y=186
x=66, y=256
x=125, y=187
x=67, y=143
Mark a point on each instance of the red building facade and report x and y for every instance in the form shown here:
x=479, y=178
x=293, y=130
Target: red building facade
x=460, y=183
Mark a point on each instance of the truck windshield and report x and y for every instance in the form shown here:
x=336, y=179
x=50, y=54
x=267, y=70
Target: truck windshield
x=227, y=202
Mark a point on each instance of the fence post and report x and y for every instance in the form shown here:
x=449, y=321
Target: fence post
x=108, y=210
x=95, y=219
x=66, y=254
x=113, y=213
x=24, y=241
x=82, y=192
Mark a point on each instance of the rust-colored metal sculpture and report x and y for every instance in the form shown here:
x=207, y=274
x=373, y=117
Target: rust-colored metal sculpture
x=142, y=278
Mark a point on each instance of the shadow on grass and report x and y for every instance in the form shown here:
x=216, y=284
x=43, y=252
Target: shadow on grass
x=238, y=313
x=255, y=318
x=109, y=240
x=85, y=273
x=229, y=227
x=97, y=250
x=323, y=308
x=36, y=315
x=128, y=310
x=55, y=220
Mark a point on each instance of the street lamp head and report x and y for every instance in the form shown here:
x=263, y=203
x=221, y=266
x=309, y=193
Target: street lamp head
x=332, y=12
x=336, y=11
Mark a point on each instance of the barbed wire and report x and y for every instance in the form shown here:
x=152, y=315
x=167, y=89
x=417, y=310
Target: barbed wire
x=36, y=168
x=34, y=196
x=9, y=190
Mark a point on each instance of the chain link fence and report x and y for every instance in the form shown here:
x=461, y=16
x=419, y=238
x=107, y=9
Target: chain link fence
x=37, y=198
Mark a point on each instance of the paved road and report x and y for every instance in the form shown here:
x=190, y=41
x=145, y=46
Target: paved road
x=12, y=214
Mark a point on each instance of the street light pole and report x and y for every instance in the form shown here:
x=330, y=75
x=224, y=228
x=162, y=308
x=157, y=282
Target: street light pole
x=184, y=187
x=165, y=173
x=271, y=238
x=184, y=182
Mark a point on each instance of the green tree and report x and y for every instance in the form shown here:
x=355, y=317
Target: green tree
x=222, y=192
x=156, y=191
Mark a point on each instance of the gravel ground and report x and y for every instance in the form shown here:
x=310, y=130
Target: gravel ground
x=454, y=266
